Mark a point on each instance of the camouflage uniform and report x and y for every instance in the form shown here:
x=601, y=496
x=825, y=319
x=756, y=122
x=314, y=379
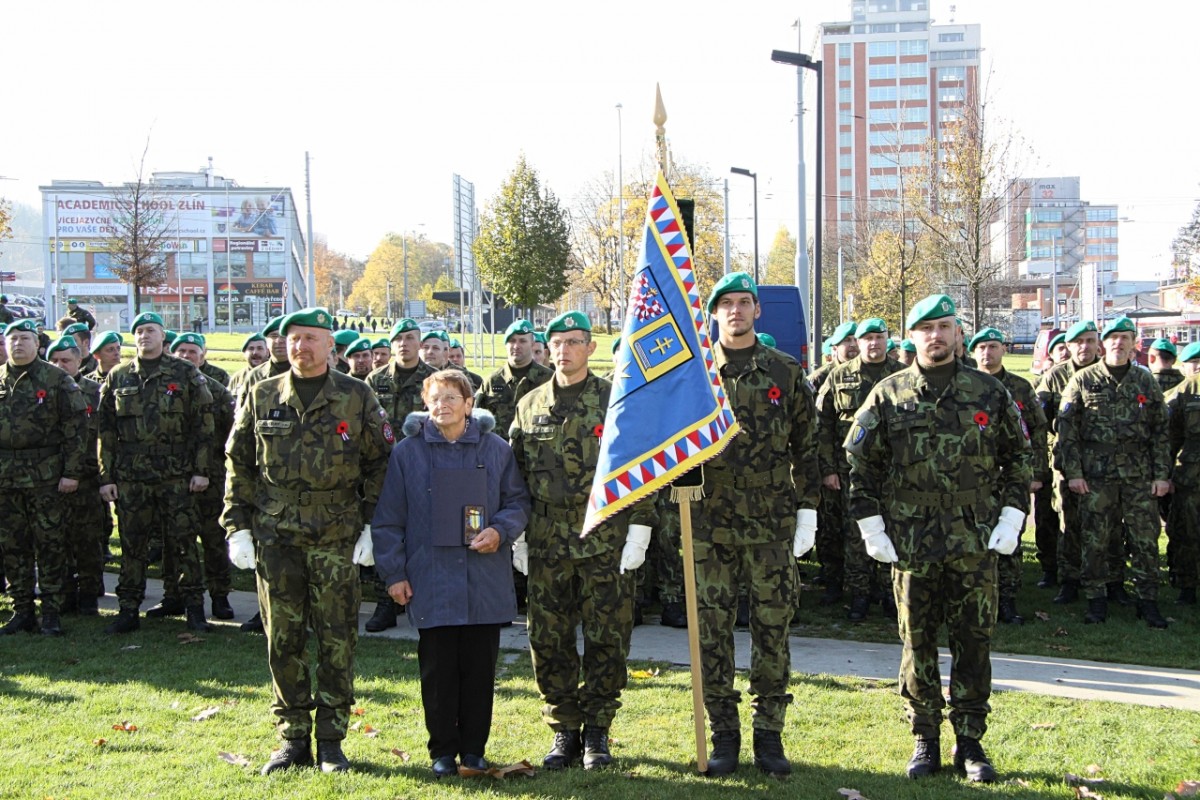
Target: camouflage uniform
x=43, y=433
x=501, y=392
x=250, y=376
x=744, y=532
x=1114, y=435
x=1168, y=379
x=1069, y=552
x=302, y=489
x=89, y=520
x=81, y=314
x=573, y=581
x=1184, y=429
x=939, y=469
x=1034, y=420
x=213, y=372
x=156, y=431
x=829, y=550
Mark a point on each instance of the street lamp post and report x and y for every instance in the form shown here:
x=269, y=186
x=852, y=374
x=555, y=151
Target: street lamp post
x=754, y=177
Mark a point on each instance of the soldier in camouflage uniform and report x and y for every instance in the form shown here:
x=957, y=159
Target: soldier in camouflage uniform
x=1189, y=359
x=81, y=315
x=988, y=348
x=1183, y=547
x=156, y=440
x=555, y=437
x=759, y=516
x=106, y=348
x=435, y=349
x=939, y=460
x=381, y=354
x=842, y=393
x=359, y=357
x=830, y=551
x=43, y=432
x=1113, y=451
x=1047, y=525
x=82, y=335
x=342, y=341
x=306, y=462
x=457, y=357
x=906, y=353
x=1161, y=357
x=276, y=364
x=255, y=352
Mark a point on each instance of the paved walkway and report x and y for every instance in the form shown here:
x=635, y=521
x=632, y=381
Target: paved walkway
x=1059, y=677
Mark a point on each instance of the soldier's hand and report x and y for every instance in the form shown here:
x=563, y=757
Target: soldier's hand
x=108, y=493
x=1160, y=488
x=401, y=592
x=1078, y=485
x=364, y=549
x=521, y=555
x=67, y=485
x=633, y=555
x=874, y=536
x=1007, y=533
x=486, y=541
x=241, y=550
x=832, y=482
x=198, y=484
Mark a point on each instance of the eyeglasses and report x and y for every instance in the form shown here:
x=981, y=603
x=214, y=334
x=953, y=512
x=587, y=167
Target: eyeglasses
x=558, y=344
x=444, y=400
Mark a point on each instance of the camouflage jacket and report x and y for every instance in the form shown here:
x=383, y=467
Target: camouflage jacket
x=500, y=393
x=310, y=476
x=817, y=377
x=399, y=397
x=1168, y=379
x=250, y=376
x=43, y=427
x=223, y=407
x=1034, y=419
x=155, y=425
x=1050, y=389
x=1183, y=430
x=213, y=372
x=556, y=450
x=938, y=468
x=769, y=470
x=1112, y=430
x=91, y=396
x=88, y=364
x=843, y=391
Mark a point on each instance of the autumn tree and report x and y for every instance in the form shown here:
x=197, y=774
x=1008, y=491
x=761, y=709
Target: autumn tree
x=336, y=273
x=136, y=248
x=383, y=275
x=1185, y=252
x=781, y=260
x=523, y=247
x=6, y=215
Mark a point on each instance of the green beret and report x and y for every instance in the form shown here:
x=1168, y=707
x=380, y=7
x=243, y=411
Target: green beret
x=1118, y=325
x=188, y=338
x=766, y=339
x=105, y=338
x=517, y=326
x=935, y=306
x=63, y=342
x=1191, y=352
x=308, y=318
x=169, y=336
x=733, y=282
x=986, y=335
x=1164, y=345
x=71, y=301
x=404, y=326
x=251, y=339
x=272, y=326
x=146, y=318
x=345, y=337
x=538, y=336
x=26, y=325
x=891, y=345
x=570, y=321
x=871, y=325
x=1056, y=341
x=840, y=333
x=359, y=346
x=1079, y=329
x=827, y=348
x=616, y=345
x=3, y=298
x=78, y=327
x=381, y=344
x=907, y=346
x=455, y=344
x=445, y=337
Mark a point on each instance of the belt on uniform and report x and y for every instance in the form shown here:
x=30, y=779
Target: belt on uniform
x=307, y=498
x=134, y=448
x=943, y=499
x=757, y=480
x=31, y=453
x=573, y=515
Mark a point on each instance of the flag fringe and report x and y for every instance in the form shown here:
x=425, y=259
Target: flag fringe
x=688, y=494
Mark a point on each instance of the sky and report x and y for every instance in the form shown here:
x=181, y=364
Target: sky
x=391, y=99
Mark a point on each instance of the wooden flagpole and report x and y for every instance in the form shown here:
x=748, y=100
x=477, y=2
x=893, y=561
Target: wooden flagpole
x=693, y=619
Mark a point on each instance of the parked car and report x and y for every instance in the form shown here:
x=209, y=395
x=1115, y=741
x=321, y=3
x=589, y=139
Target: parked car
x=428, y=325
x=1041, y=356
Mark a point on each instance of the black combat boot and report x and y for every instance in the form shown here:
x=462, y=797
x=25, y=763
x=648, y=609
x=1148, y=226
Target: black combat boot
x=52, y=626
x=673, y=615
x=926, y=758
x=887, y=607
x=89, y=606
x=1097, y=610
x=859, y=605
x=1048, y=580
x=1146, y=609
x=330, y=756
x=742, y=620
x=291, y=753
x=1187, y=597
x=831, y=596
x=768, y=753
x=195, y=619
x=970, y=759
x=169, y=607
x=565, y=751
x=252, y=625
x=1008, y=612
x=726, y=746
x=1116, y=594
x=383, y=618
x=220, y=607
x=1068, y=592
x=595, y=747
x=127, y=621
x=20, y=621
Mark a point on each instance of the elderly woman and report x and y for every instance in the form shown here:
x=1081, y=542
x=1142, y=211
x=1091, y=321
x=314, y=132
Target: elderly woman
x=452, y=504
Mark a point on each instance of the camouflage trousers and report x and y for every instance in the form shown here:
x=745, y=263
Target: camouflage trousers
x=591, y=593
x=860, y=573
x=1008, y=573
x=35, y=546
x=831, y=537
x=302, y=589
x=1185, y=536
x=961, y=594
x=771, y=579
x=88, y=524
x=1070, y=537
x=167, y=509
x=1047, y=528
x=214, y=548
x=1119, y=514
x=662, y=574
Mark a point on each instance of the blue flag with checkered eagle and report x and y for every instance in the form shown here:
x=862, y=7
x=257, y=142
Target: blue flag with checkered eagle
x=668, y=412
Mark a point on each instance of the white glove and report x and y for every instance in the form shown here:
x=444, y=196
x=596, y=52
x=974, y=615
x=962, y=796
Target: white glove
x=241, y=550
x=879, y=546
x=806, y=532
x=633, y=555
x=1007, y=533
x=521, y=555
x=364, y=550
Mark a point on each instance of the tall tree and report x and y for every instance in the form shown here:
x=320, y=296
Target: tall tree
x=596, y=244
x=383, y=275
x=1185, y=251
x=336, y=273
x=136, y=249
x=523, y=248
x=781, y=260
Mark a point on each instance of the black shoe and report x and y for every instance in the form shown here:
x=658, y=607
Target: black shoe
x=20, y=621
x=195, y=619
x=477, y=763
x=169, y=607
x=330, y=756
x=1116, y=594
x=1068, y=592
x=127, y=621
x=830, y=597
x=595, y=747
x=221, y=608
x=1008, y=612
x=768, y=753
x=742, y=620
x=52, y=626
x=859, y=606
x=1187, y=597
x=1048, y=580
x=970, y=759
x=566, y=750
x=154, y=556
x=88, y=606
x=1146, y=609
x=673, y=615
x=1097, y=610
x=637, y=615
x=926, y=758
x=726, y=746
x=887, y=607
x=291, y=753
x=444, y=767
x=383, y=618
x=252, y=625
x=70, y=603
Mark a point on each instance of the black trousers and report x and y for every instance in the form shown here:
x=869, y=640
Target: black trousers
x=458, y=676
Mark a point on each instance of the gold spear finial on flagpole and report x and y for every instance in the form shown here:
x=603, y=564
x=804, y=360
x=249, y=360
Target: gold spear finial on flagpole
x=660, y=131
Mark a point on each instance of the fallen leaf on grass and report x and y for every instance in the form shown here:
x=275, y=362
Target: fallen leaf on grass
x=643, y=673
x=852, y=794
x=401, y=754
x=128, y=727
x=188, y=638
x=1042, y=615
x=1094, y=769
x=1024, y=784
x=206, y=713
x=232, y=758
x=1188, y=788
x=100, y=742
x=1079, y=779
x=132, y=647
x=1043, y=726
x=356, y=726
x=358, y=712
x=369, y=732
x=1084, y=793
x=523, y=768
x=1061, y=632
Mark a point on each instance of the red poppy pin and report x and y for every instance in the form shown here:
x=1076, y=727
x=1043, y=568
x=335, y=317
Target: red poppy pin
x=88, y=410
x=598, y=431
x=1020, y=405
x=343, y=431
x=41, y=396
x=773, y=394
x=982, y=419
x=172, y=388
x=1141, y=401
